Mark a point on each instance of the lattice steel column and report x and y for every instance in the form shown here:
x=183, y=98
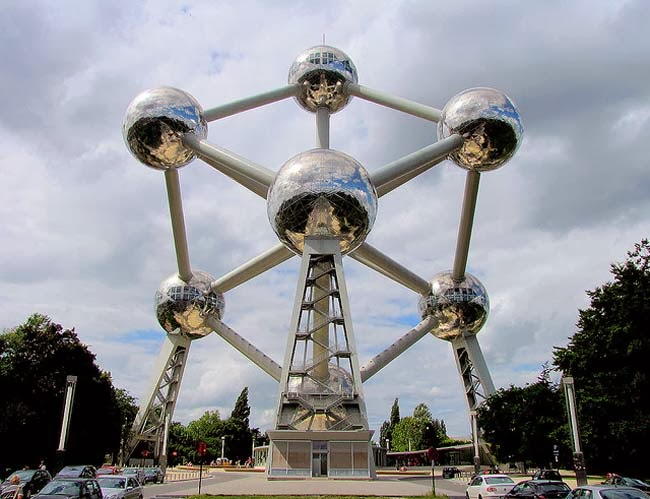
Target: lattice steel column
x=320, y=385
x=151, y=423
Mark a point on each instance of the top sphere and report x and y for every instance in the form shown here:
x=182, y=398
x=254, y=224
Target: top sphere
x=460, y=307
x=325, y=193
x=490, y=124
x=155, y=123
x=181, y=307
x=321, y=72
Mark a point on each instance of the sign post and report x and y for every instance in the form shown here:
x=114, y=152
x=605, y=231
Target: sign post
x=202, y=450
x=433, y=455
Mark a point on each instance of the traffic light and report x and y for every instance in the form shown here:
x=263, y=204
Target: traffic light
x=202, y=448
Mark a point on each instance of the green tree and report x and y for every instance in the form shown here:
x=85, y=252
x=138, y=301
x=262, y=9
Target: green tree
x=209, y=428
x=607, y=357
x=386, y=430
x=407, y=434
x=523, y=424
x=241, y=437
x=35, y=359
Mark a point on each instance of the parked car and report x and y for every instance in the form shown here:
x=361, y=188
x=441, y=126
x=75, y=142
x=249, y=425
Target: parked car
x=450, y=472
x=71, y=488
x=31, y=481
x=539, y=489
x=137, y=473
x=628, y=482
x=108, y=469
x=547, y=475
x=607, y=492
x=485, y=486
x=154, y=474
x=120, y=487
x=77, y=471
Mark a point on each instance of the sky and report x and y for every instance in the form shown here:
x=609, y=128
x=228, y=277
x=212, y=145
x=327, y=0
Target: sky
x=86, y=230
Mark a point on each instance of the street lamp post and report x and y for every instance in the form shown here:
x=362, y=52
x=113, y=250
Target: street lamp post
x=578, y=456
x=223, y=446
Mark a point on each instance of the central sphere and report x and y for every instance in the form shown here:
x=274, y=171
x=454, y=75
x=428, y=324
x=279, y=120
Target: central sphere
x=321, y=72
x=323, y=193
x=182, y=307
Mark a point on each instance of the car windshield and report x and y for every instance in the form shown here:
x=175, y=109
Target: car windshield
x=623, y=494
x=636, y=481
x=554, y=487
x=24, y=475
x=496, y=480
x=61, y=488
x=70, y=470
x=130, y=471
x=111, y=483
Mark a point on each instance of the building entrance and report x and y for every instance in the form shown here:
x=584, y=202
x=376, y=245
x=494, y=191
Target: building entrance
x=319, y=459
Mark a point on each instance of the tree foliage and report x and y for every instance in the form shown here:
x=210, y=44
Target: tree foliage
x=419, y=431
x=607, y=358
x=35, y=359
x=523, y=424
x=386, y=430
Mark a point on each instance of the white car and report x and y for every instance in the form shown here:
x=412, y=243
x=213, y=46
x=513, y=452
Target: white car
x=120, y=487
x=489, y=486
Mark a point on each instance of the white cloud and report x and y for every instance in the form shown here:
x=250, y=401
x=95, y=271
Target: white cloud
x=87, y=232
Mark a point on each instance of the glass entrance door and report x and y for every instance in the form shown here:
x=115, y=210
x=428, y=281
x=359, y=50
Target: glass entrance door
x=319, y=459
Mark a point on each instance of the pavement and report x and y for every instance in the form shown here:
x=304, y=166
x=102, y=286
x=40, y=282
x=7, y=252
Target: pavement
x=255, y=483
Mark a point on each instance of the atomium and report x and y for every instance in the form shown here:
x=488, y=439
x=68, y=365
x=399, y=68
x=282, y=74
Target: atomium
x=490, y=124
x=459, y=306
x=321, y=72
x=155, y=123
x=324, y=193
x=181, y=308
x=321, y=204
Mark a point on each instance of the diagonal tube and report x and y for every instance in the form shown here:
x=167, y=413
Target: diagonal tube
x=178, y=223
x=249, y=174
x=394, y=174
x=252, y=102
x=376, y=260
x=393, y=102
x=252, y=268
x=247, y=349
x=465, y=226
x=378, y=362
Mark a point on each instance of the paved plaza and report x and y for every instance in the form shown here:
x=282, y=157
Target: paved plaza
x=255, y=483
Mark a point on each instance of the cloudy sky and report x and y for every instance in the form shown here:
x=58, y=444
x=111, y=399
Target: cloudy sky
x=86, y=231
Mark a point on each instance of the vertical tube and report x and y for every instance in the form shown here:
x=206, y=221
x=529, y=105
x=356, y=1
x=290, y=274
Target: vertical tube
x=323, y=128
x=322, y=288
x=465, y=226
x=178, y=223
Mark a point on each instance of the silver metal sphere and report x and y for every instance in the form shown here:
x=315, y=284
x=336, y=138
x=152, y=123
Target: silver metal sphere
x=490, y=124
x=322, y=192
x=321, y=72
x=460, y=307
x=181, y=307
x=155, y=123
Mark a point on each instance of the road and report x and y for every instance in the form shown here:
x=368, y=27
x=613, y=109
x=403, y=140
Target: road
x=255, y=483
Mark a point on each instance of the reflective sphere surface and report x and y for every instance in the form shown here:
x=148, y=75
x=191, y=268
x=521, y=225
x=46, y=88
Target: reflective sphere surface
x=460, y=307
x=321, y=72
x=325, y=193
x=155, y=123
x=490, y=124
x=181, y=307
